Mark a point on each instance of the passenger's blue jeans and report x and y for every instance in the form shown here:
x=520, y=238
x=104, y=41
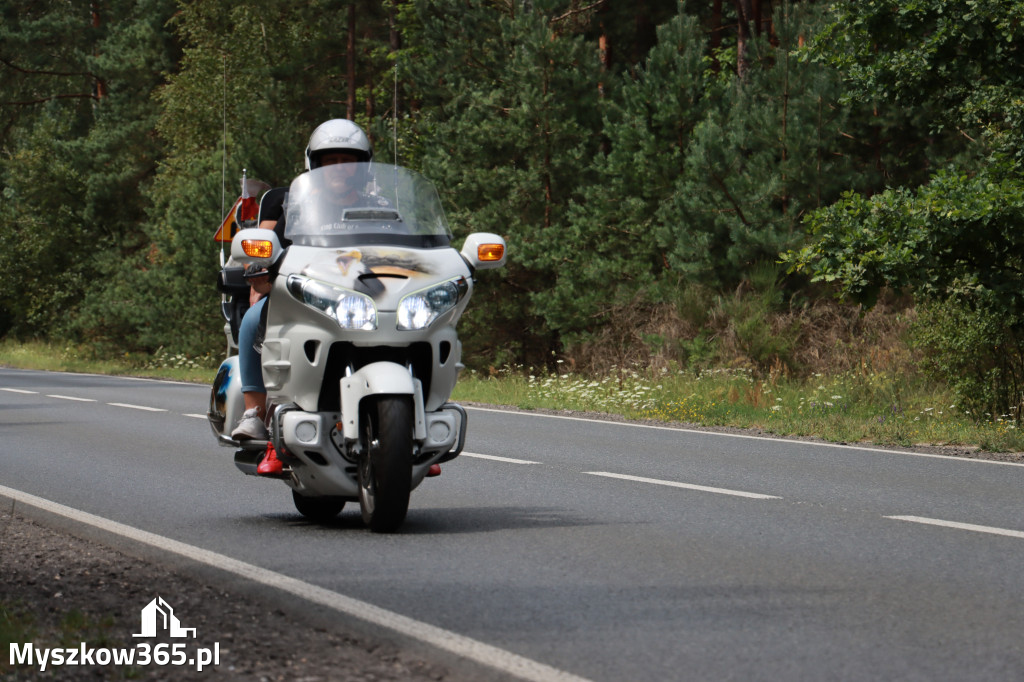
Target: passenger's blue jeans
x=249, y=359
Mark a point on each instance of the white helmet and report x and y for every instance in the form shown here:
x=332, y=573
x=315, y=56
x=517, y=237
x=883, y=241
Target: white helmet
x=337, y=135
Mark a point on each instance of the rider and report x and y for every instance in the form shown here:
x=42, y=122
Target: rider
x=333, y=144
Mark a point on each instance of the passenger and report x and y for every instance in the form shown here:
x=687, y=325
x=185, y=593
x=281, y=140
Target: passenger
x=333, y=144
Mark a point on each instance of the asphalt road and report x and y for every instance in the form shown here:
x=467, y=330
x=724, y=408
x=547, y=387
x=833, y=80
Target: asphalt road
x=609, y=551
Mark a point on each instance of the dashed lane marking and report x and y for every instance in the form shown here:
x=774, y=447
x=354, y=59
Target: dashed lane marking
x=92, y=400
x=688, y=486
x=138, y=407
x=960, y=526
x=495, y=458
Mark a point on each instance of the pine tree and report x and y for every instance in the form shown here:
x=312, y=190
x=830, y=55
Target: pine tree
x=613, y=251
x=80, y=147
x=506, y=127
x=244, y=97
x=756, y=163
x=707, y=175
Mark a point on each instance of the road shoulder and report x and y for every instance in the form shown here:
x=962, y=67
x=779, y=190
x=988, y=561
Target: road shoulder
x=73, y=590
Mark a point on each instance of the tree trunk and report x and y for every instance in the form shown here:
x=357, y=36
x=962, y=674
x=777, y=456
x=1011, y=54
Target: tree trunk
x=744, y=15
x=716, y=34
x=100, y=85
x=605, y=53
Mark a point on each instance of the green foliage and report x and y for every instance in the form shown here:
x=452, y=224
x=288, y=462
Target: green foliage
x=956, y=237
x=755, y=162
x=750, y=312
x=80, y=150
x=507, y=130
x=42, y=244
x=956, y=60
x=165, y=296
x=45, y=50
x=614, y=176
x=609, y=244
x=17, y=625
x=243, y=97
x=703, y=175
x=645, y=164
x=972, y=350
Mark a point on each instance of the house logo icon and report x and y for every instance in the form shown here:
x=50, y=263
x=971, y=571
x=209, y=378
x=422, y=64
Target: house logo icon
x=158, y=615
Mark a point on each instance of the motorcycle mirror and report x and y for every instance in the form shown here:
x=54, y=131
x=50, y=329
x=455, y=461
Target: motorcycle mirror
x=484, y=251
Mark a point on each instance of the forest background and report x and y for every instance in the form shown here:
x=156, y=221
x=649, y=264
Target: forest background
x=786, y=188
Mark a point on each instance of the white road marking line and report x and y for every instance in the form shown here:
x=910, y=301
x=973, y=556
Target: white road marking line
x=790, y=441
x=475, y=650
x=959, y=460
x=70, y=397
x=960, y=526
x=138, y=407
x=498, y=459
x=688, y=486
x=92, y=400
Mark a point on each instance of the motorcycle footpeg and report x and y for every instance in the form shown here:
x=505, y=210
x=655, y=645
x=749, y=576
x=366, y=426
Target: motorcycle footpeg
x=253, y=445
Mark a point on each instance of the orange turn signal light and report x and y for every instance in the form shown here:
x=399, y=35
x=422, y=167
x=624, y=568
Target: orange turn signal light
x=258, y=248
x=488, y=253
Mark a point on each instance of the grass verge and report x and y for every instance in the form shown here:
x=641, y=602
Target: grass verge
x=21, y=624
x=855, y=406
x=53, y=357
x=852, y=407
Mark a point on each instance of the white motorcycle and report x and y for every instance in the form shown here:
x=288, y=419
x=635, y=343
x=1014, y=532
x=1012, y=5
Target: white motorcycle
x=360, y=353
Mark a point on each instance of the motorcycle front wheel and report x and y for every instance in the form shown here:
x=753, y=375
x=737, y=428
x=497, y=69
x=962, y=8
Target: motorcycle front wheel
x=385, y=472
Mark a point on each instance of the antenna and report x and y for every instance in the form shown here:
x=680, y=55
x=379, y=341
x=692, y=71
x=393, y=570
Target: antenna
x=223, y=145
x=394, y=114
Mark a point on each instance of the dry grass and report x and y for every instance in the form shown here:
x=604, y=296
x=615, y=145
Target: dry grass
x=818, y=368
x=819, y=337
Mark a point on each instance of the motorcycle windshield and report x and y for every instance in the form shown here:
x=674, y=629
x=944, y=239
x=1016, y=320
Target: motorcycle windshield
x=350, y=204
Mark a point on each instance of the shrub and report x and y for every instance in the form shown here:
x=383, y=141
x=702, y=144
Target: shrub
x=977, y=351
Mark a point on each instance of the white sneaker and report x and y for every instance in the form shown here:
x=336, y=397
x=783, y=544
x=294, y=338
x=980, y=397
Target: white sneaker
x=251, y=427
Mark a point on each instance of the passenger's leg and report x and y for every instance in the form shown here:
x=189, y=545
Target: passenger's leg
x=254, y=393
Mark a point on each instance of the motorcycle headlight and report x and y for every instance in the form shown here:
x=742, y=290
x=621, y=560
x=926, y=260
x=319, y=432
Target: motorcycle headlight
x=349, y=309
x=419, y=310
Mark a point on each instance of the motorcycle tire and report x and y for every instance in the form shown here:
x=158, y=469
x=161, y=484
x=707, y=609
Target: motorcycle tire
x=318, y=509
x=385, y=473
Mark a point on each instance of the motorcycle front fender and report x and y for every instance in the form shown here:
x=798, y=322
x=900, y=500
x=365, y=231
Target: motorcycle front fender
x=380, y=378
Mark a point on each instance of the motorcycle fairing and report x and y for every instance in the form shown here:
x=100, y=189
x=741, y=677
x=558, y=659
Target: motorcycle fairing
x=368, y=269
